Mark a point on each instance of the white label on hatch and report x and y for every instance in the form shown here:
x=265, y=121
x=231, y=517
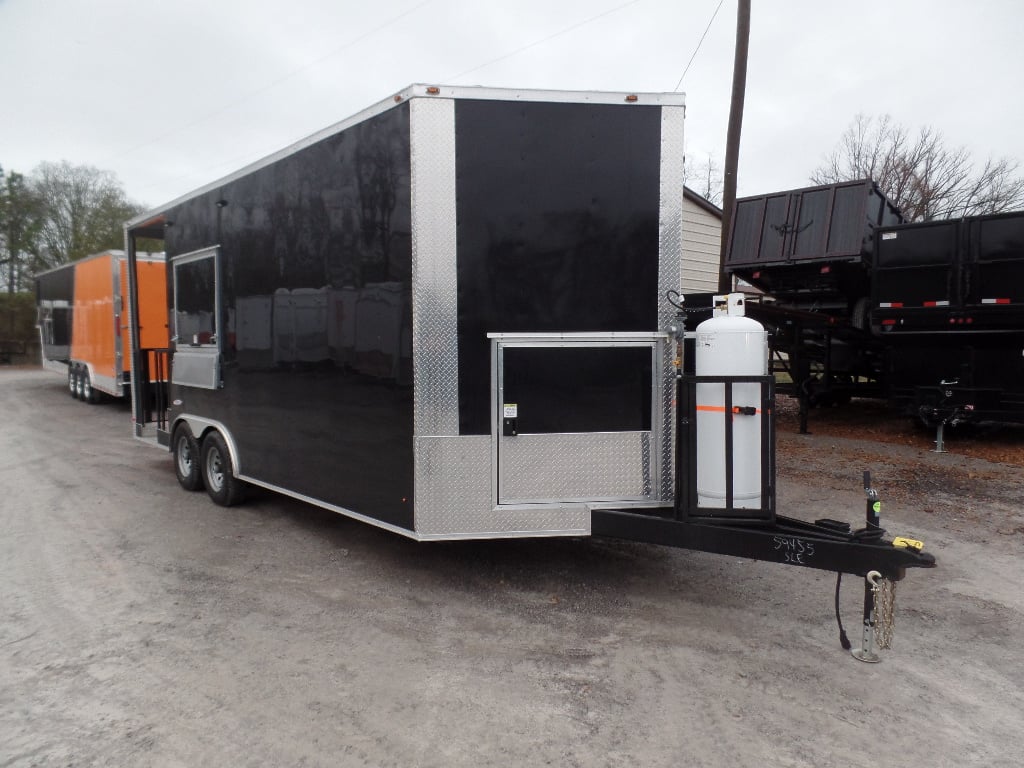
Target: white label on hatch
x=510, y=411
x=890, y=235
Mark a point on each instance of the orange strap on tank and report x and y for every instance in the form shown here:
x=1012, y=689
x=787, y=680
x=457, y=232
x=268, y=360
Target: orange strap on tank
x=721, y=409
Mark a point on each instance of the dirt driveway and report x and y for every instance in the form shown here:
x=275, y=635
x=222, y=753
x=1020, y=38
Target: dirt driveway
x=144, y=626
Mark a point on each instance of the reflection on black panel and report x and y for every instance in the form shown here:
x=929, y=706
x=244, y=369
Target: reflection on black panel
x=195, y=301
x=812, y=223
x=315, y=272
x=579, y=389
x=1001, y=238
x=931, y=244
x=557, y=213
x=773, y=235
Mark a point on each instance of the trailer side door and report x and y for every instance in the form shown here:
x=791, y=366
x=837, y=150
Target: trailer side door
x=577, y=419
x=197, y=335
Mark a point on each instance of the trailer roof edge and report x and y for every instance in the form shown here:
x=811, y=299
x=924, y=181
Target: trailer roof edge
x=114, y=252
x=418, y=90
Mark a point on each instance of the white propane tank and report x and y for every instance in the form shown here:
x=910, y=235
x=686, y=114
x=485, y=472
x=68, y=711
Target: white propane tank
x=729, y=344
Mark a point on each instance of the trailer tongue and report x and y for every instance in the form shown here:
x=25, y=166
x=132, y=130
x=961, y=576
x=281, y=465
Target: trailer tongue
x=739, y=521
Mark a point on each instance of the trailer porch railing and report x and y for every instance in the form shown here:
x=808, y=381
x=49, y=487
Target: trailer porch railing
x=152, y=384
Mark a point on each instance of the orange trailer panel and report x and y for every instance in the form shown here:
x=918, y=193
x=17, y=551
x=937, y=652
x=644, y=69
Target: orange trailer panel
x=96, y=326
x=153, y=329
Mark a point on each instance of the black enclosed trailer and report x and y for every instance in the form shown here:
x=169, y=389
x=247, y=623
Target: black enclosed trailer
x=444, y=315
x=451, y=316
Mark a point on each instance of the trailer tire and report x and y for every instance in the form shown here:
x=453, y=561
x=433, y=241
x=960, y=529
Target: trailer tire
x=218, y=474
x=89, y=394
x=72, y=384
x=78, y=383
x=859, y=317
x=185, y=449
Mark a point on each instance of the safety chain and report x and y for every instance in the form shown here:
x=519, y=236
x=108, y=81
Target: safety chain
x=884, y=594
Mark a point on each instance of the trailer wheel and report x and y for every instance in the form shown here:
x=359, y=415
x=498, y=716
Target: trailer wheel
x=89, y=394
x=72, y=384
x=78, y=383
x=859, y=314
x=186, y=458
x=218, y=475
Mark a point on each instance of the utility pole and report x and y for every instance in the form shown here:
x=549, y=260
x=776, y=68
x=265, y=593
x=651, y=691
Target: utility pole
x=732, y=140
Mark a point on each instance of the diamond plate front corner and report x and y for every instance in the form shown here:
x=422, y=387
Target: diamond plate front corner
x=434, y=280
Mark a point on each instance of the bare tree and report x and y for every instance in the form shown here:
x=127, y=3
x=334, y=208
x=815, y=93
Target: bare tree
x=922, y=176
x=704, y=178
x=84, y=210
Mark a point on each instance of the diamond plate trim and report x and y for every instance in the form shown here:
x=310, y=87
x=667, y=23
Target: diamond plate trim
x=453, y=496
x=539, y=468
x=670, y=253
x=434, y=277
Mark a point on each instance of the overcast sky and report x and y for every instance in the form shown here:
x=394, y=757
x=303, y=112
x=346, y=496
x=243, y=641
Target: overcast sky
x=173, y=94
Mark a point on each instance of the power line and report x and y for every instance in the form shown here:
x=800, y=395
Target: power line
x=535, y=43
x=699, y=44
x=273, y=84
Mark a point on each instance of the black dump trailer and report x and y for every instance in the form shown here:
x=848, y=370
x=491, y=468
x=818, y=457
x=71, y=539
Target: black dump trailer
x=812, y=252
x=948, y=302
x=447, y=316
x=811, y=249
x=921, y=314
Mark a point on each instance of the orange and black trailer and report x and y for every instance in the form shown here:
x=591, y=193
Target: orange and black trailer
x=82, y=320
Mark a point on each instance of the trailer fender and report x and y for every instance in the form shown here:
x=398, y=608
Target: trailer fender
x=201, y=426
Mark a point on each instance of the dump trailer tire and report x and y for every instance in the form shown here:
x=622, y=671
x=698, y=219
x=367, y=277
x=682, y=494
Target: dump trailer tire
x=218, y=474
x=185, y=450
x=859, y=315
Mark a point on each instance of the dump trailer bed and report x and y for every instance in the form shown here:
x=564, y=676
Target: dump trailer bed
x=810, y=248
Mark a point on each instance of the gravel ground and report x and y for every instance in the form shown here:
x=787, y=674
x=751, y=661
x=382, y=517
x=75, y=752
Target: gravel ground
x=144, y=626
x=873, y=420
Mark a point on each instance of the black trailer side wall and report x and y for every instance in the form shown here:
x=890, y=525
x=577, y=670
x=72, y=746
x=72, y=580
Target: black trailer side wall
x=557, y=211
x=555, y=233
x=55, y=293
x=335, y=214
x=951, y=275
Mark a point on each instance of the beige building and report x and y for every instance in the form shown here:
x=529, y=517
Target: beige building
x=702, y=243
